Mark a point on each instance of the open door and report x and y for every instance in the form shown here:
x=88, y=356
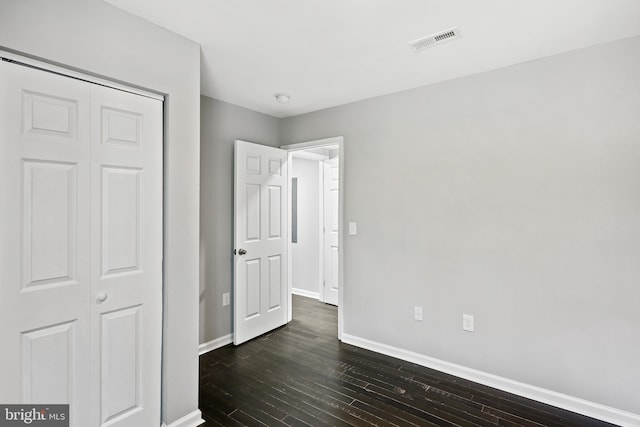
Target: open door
x=331, y=192
x=260, y=239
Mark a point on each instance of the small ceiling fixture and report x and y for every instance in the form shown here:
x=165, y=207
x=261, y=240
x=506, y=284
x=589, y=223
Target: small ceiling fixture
x=434, y=39
x=282, y=98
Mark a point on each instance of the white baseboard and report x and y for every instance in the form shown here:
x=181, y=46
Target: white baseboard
x=305, y=293
x=193, y=419
x=213, y=344
x=570, y=403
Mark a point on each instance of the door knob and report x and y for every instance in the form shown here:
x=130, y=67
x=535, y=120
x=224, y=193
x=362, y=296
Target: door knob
x=102, y=296
x=242, y=251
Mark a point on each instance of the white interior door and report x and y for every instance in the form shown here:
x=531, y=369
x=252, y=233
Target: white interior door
x=331, y=229
x=81, y=248
x=260, y=267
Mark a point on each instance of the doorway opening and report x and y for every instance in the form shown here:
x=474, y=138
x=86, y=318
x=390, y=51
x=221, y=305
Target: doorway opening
x=315, y=222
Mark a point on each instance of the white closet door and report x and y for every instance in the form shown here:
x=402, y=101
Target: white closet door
x=126, y=266
x=44, y=223
x=77, y=221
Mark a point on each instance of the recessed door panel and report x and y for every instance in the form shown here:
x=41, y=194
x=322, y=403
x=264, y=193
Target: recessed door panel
x=275, y=282
x=49, y=115
x=121, y=128
x=275, y=166
x=275, y=211
x=48, y=364
x=253, y=165
x=253, y=212
x=49, y=223
x=121, y=201
x=252, y=287
x=333, y=205
x=334, y=269
x=120, y=360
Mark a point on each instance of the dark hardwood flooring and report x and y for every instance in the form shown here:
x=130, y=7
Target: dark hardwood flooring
x=301, y=375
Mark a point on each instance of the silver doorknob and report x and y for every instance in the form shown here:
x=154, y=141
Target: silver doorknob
x=242, y=251
x=102, y=297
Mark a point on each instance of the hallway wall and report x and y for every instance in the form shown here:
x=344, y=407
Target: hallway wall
x=305, y=254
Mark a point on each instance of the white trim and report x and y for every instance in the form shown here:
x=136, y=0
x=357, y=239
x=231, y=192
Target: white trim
x=305, y=293
x=193, y=419
x=320, y=285
x=309, y=156
x=291, y=172
x=214, y=344
x=560, y=400
x=339, y=142
x=87, y=77
x=318, y=143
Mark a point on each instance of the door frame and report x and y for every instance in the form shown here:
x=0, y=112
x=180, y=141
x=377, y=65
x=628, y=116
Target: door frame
x=321, y=143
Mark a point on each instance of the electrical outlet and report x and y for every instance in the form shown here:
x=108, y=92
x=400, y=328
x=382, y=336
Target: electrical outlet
x=353, y=229
x=226, y=299
x=467, y=322
x=417, y=313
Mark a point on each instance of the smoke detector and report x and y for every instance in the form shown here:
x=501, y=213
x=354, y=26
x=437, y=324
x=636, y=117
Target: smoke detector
x=282, y=98
x=434, y=39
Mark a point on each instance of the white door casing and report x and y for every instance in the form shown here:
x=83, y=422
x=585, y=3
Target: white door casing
x=81, y=248
x=260, y=240
x=331, y=231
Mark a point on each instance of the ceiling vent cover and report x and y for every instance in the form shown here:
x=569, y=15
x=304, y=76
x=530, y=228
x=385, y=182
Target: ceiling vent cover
x=434, y=39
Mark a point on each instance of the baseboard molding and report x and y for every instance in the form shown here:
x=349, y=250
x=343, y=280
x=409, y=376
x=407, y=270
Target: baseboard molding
x=213, y=344
x=305, y=293
x=193, y=419
x=570, y=403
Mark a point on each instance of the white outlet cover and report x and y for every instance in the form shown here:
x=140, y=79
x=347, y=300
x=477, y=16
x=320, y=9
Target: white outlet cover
x=417, y=313
x=226, y=299
x=353, y=229
x=467, y=322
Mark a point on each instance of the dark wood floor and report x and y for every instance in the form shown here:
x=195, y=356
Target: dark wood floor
x=302, y=375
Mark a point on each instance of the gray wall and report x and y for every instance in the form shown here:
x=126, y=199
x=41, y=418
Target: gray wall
x=222, y=124
x=512, y=195
x=305, y=254
x=95, y=37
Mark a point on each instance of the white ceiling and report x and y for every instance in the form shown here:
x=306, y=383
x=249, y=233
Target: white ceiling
x=331, y=52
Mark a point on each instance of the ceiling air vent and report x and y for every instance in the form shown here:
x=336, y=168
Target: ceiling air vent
x=434, y=39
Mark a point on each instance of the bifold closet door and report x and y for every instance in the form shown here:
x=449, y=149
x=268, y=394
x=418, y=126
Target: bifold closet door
x=81, y=247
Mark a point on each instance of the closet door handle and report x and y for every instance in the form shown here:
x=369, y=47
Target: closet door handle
x=242, y=251
x=101, y=297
